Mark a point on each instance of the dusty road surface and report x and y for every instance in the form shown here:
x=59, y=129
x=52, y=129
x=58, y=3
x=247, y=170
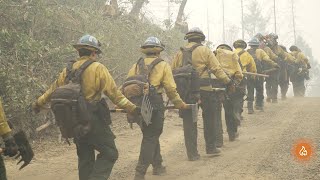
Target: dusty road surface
x=263, y=150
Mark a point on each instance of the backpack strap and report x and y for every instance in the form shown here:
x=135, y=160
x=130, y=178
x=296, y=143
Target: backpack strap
x=140, y=65
x=153, y=64
x=191, y=49
x=75, y=75
x=239, y=54
x=69, y=71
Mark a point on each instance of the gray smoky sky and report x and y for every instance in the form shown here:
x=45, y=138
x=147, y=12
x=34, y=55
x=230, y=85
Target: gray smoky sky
x=207, y=14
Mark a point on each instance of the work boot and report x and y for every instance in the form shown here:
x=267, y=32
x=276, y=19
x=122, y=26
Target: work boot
x=232, y=137
x=260, y=108
x=219, y=144
x=268, y=99
x=159, y=170
x=215, y=151
x=139, y=176
x=250, y=108
x=194, y=158
x=219, y=140
x=283, y=97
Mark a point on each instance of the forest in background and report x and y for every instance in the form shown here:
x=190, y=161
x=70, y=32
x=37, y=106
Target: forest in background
x=36, y=40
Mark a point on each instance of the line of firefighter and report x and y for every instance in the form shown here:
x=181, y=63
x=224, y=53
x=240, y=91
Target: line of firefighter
x=218, y=70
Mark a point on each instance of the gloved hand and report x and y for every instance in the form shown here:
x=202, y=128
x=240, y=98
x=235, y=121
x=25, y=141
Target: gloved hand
x=185, y=106
x=275, y=65
x=137, y=111
x=35, y=107
x=231, y=88
x=11, y=148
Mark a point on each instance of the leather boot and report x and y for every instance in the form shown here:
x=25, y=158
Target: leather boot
x=159, y=170
x=250, y=107
x=139, y=176
x=268, y=99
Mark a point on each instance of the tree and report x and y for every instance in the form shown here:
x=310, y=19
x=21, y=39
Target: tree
x=180, y=22
x=254, y=22
x=111, y=8
x=231, y=34
x=136, y=8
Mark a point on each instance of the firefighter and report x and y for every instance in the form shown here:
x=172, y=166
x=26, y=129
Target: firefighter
x=229, y=61
x=248, y=65
x=161, y=80
x=300, y=72
x=262, y=61
x=282, y=56
x=209, y=69
x=95, y=81
x=11, y=148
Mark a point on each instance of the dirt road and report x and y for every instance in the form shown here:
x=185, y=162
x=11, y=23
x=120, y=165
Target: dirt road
x=262, y=152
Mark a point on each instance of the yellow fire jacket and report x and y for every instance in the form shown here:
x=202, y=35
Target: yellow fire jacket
x=301, y=58
x=203, y=60
x=270, y=53
x=247, y=61
x=263, y=56
x=283, y=54
x=96, y=80
x=162, y=79
x=4, y=127
x=229, y=62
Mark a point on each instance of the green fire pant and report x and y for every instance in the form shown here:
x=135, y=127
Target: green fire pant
x=210, y=105
x=100, y=139
x=190, y=133
x=150, y=145
x=3, y=175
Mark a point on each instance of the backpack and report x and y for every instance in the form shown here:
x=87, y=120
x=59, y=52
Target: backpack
x=259, y=64
x=187, y=77
x=239, y=54
x=135, y=86
x=69, y=106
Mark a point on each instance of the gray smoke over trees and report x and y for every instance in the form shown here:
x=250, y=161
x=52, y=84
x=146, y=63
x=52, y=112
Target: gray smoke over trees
x=254, y=21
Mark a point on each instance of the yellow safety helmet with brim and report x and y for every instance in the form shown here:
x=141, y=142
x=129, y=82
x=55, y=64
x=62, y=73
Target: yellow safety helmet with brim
x=195, y=33
x=88, y=42
x=240, y=44
x=224, y=46
x=152, y=45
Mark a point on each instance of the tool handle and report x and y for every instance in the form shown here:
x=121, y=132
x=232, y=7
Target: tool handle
x=118, y=111
x=219, y=89
x=255, y=74
x=173, y=107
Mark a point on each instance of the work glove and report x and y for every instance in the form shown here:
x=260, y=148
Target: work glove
x=35, y=107
x=11, y=148
x=231, y=88
x=137, y=111
x=275, y=65
x=185, y=106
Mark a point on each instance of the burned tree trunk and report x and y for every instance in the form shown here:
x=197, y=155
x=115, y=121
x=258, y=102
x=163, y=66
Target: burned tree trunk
x=138, y=4
x=180, y=23
x=111, y=9
x=181, y=11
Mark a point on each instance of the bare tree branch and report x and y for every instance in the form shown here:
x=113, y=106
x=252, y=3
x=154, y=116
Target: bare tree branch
x=138, y=4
